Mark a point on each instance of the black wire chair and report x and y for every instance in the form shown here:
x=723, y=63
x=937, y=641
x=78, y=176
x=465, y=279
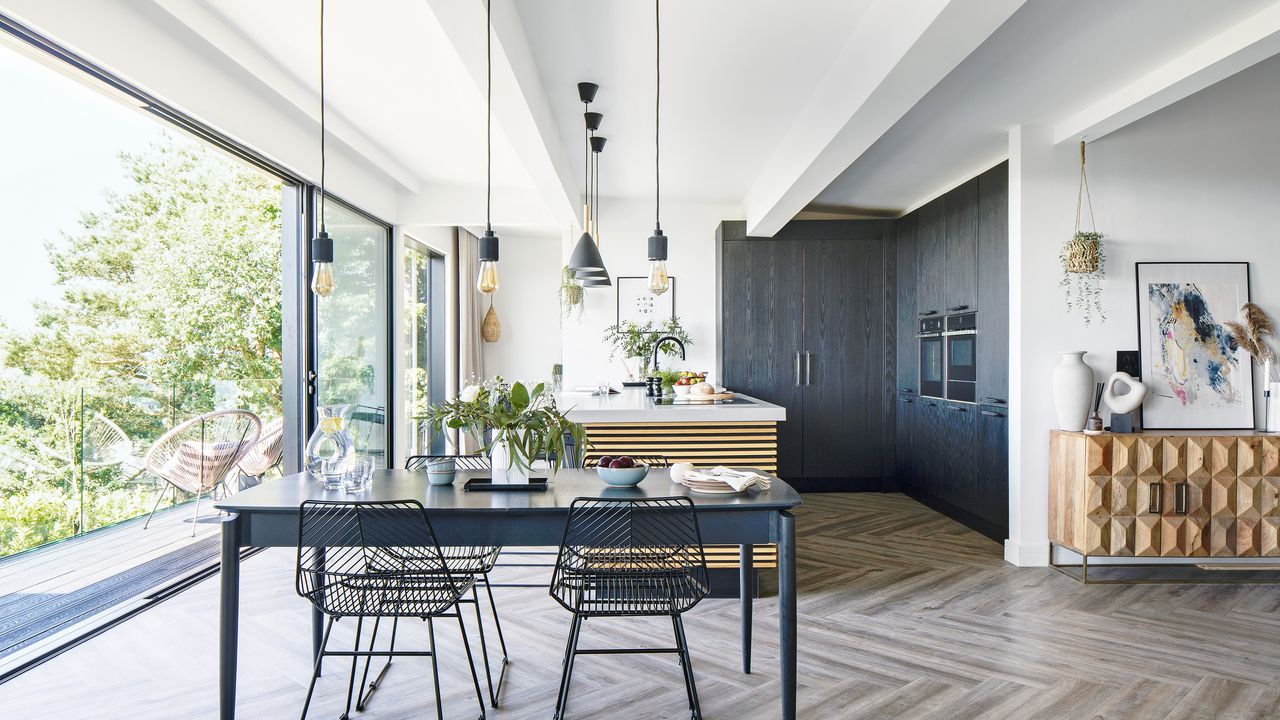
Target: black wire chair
x=476, y=562
x=624, y=558
x=377, y=559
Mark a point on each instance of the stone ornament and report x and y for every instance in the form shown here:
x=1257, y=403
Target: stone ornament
x=1130, y=400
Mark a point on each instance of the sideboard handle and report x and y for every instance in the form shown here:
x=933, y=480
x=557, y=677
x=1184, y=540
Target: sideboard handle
x=1180, y=498
x=1153, y=501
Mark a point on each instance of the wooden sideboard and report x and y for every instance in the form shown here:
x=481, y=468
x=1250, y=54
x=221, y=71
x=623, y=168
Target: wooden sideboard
x=1165, y=494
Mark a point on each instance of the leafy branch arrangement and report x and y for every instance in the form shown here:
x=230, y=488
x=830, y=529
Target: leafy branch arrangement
x=1251, y=334
x=633, y=340
x=528, y=421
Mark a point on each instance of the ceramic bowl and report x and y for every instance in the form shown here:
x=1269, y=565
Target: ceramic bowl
x=682, y=389
x=441, y=472
x=623, y=477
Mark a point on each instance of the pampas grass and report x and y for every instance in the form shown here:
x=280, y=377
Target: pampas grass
x=1252, y=334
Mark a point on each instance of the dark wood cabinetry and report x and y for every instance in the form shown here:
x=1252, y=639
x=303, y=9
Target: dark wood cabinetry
x=931, y=254
x=808, y=323
x=993, y=285
x=907, y=353
x=960, y=267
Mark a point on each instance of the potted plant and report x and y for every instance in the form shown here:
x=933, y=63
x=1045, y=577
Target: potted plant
x=632, y=340
x=572, y=300
x=1083, y=260
x=522, y=425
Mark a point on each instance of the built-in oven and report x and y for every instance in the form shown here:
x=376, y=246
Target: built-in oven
x=933, y=381
x=961, y=335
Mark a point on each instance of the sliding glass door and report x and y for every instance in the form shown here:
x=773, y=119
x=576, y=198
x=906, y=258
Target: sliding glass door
x=352, y=363
x=422, y=323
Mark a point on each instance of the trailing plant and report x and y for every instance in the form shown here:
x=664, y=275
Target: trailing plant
x=633, y=340
x=572, y=299
x=527, y=420
x=1084, y=260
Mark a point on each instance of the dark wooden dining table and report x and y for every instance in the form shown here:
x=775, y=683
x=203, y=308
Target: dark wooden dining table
x=267, y=516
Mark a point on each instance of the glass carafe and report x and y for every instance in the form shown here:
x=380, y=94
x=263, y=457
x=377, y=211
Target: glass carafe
x=331, y=450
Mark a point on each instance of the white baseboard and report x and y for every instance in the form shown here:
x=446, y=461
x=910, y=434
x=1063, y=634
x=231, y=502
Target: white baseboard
x=1026, y=555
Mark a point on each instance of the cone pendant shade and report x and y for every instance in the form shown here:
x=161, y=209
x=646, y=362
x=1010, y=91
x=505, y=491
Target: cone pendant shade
x=586, y=256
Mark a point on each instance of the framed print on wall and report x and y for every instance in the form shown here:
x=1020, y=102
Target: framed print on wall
x=1198, y=378
x=637, y=304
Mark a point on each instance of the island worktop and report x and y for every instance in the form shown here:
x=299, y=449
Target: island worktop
x=633, y=406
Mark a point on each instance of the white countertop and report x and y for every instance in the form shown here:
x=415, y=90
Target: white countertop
x=632, y=405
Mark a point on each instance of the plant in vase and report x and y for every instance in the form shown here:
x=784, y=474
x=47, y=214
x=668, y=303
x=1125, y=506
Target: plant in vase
x=523, y=425
x=631, y=340
x=1253, y=333
x=1084, y=260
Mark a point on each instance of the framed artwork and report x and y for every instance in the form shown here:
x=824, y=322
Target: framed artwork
x=1198, y=378
x=637, y=304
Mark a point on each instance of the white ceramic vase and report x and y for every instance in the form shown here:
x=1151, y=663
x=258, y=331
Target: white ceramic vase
x=1273, y=407
x=1073, y=390
x=503, y=466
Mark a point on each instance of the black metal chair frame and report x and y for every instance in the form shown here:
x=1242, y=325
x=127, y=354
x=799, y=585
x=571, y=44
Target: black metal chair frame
x=401, y=573
x=476, y=562
x=630, y=558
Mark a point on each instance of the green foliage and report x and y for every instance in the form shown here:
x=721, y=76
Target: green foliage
x=669, y=377
x=633, y=340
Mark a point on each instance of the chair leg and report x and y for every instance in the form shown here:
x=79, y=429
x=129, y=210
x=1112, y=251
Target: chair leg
x=163, y=491
x=570, y=652
x=695, y=710
x=475, y=679
x=316, y=673
x=435, y=668
x=497, y=623
x=196, y=516
x=355, y=661
x=367, y=693
x=484, y=648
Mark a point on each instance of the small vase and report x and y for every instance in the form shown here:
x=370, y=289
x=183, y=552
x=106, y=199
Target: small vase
x=1072, y=391
x=503, y=466
x=330, y=450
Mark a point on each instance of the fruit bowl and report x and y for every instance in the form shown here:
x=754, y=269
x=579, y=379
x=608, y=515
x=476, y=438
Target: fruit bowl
x=682, y=389
x=628, y=476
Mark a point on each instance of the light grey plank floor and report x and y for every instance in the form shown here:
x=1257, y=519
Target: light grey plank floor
x=903, y=614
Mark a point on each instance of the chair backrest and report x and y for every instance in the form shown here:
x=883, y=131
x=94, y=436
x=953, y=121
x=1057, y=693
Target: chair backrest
x=105, y=444
x=341, y=543
x=266, y=453
x=638, y=535
x=463, y=462
x=653, y=461
x=197, y=454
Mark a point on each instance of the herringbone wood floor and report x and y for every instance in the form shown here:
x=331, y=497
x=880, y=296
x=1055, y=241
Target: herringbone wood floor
x=903, y=613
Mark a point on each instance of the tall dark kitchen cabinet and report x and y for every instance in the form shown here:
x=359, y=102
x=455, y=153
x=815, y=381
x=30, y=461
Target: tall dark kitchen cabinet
x=808, y=319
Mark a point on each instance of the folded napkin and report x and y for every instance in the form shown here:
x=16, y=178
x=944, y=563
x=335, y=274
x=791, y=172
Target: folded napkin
x=737, y=479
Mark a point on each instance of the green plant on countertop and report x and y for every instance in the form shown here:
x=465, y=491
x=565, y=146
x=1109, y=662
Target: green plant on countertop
x=527, y=420
x=669, y=378
x=633, y=340
x=572, y=299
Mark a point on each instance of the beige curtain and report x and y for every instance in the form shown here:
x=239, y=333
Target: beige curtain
x=471, y=310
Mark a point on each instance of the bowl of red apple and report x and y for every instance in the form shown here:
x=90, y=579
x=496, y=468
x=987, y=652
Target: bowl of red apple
x=621, y=471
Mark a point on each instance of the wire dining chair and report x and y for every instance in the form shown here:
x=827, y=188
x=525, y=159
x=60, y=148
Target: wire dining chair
x=476, y=561
x=630, y=558
x=198, y=455
x=380, y=560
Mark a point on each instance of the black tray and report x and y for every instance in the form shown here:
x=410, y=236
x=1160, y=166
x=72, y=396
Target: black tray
x=636, y=383
x=483, y=484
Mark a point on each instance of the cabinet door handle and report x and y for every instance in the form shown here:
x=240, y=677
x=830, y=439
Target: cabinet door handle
x=1180, y=498
x=957, y=308
x=931, y=404
x=990, y=413
x=1153, y=499
x=995, y=400
x=797, y=368
x=808, y=368
x=927, y=313
x=953, y=408
x=907, y=401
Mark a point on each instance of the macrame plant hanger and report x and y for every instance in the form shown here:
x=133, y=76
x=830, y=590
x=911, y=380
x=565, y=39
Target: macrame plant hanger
x=1082, y=253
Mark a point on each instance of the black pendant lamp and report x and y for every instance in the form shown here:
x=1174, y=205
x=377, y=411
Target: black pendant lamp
x=585, y=261
x=487, y=281
x=600, y=279
x=659, y=282
x=322, y=245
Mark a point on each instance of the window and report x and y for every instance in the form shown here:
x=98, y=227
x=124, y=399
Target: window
x=424, y=335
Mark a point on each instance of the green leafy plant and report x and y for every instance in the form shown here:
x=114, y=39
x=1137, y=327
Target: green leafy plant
x=527, y=420
x=669, y=377
x=571, y=296
x=1083, y=268
x=633, y=340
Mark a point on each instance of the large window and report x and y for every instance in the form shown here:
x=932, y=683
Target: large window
x=423, y=328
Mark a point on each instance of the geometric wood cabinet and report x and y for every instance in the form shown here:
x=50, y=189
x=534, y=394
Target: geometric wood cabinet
x=1190, y=494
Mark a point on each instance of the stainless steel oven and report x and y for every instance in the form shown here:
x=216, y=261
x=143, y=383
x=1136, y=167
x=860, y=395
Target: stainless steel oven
x=933, y=380
x=962, y=357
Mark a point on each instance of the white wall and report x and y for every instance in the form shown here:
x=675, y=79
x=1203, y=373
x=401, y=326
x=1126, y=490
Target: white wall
x=529, y=275
x=626, y=227
x=1199, y=180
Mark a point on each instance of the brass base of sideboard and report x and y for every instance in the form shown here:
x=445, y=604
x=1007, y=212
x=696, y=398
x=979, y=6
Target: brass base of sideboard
x=1200, y=574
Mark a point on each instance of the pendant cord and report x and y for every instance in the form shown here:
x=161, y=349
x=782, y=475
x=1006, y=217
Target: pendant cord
x=595, y=196
x=657, y=106
x=322, y=127
x=586, y=171
x=488, y=126
x=1082, y=194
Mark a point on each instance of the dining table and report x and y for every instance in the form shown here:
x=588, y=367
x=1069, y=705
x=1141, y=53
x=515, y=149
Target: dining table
x=267, y=516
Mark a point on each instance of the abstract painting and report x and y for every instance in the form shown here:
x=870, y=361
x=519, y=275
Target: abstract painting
x=1199, y=378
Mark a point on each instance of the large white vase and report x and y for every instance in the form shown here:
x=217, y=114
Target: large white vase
x=503, y=466
x=1072, y=391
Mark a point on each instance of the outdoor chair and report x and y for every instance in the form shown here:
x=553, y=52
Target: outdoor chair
x=198, y=455
x=266, y=453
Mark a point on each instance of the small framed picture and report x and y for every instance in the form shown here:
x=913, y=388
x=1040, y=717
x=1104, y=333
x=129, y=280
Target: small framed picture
x=637, y=304
x=1199, y=379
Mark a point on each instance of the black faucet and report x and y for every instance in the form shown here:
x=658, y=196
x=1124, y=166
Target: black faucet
x=658, y=346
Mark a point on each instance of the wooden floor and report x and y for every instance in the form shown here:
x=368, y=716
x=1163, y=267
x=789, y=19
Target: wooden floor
x=903, y=613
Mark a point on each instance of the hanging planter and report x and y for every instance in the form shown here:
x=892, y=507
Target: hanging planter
x=1084, y=260
x=571, y=295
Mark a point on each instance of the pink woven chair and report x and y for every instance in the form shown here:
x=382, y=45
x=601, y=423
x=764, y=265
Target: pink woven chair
x=198, y=455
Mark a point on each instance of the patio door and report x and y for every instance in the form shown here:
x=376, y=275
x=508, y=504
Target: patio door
x=352, y=351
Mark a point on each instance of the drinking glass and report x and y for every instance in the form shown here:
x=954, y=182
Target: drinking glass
x=357, y=478
x=603, y=389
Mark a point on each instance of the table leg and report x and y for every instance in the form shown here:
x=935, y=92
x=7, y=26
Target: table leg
x=317, y=621
x=229, y=616
x=745, y=592
x=787, y=611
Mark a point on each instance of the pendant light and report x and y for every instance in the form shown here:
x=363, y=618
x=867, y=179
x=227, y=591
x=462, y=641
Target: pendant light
x=659, y=283
x=600, y=279
x=585, y=260
x=322, y=245
x=487, y=282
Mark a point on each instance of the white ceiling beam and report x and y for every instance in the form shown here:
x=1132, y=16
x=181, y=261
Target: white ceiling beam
x=463, y=204
x=240, y=50
x=897, y=53
x=520, y=105
x=1225, y=54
